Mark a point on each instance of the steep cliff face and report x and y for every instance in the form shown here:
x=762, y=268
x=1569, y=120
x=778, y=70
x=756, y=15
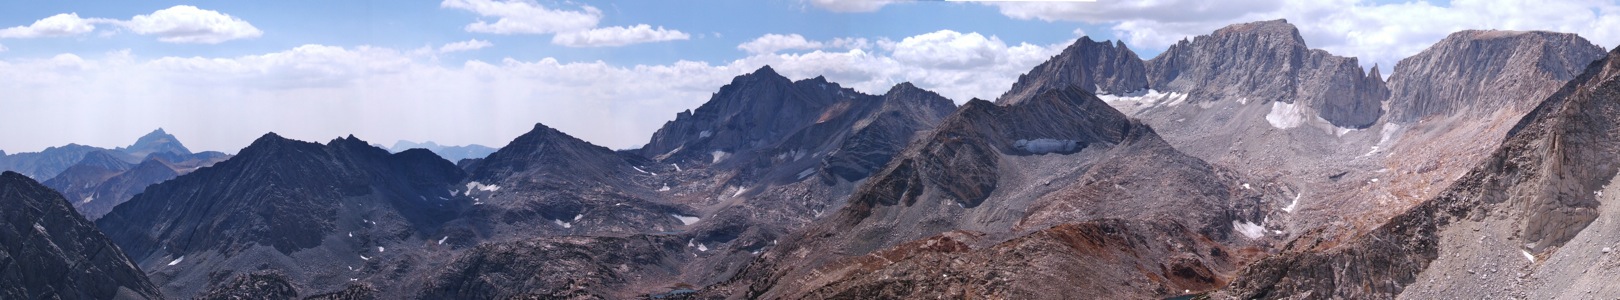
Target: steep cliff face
x=1096, y=67
x=1269, y=62
x=1534, y=220
x=50, y=252
x=1478, y=72
x=995, y=182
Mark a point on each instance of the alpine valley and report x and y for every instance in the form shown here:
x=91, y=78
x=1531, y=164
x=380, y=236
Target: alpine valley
x=1238, y=164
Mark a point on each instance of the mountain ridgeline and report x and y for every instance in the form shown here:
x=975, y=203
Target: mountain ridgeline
x=1237, y=164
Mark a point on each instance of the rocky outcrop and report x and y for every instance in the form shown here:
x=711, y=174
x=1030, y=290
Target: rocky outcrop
x=960, y=209
x=578, y=267
x=1477, y=71
x=756, y=109
x=1268, y=61
x=1534, y=196
x=50, y=252
x=1096, y=67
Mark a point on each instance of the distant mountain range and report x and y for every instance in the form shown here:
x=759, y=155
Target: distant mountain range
x=1238, y=164
x=452, y=153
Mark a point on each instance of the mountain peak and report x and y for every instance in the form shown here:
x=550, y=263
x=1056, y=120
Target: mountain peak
x=764, y=71
x=1478, y=62
x=1097, y=67
x=156, y=141
x=1278, y=27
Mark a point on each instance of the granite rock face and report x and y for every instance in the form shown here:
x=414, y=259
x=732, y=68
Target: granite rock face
x=1537, y=196
x=1268, y=61
x=50, y=252
x=1475, y=71
x=1096, y=67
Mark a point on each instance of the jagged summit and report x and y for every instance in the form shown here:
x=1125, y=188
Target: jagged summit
x=1096, y=67
x=1268, y=62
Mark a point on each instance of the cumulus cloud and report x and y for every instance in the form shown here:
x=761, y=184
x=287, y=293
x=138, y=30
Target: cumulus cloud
x=772, y=43
x=189, y=24
x=178, y=24
x=523, y=17
x=853, y=5
x=572, y=28
x=316, y=92
x=617, y=36
x=68, y=24
x=467, y=45
x=1381, y=33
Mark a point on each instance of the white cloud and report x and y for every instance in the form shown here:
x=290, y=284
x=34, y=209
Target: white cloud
x=617, y=36
x=178, y=24
x=189, y=24
x=572, y=28
x=467, y=45
x=524, y=17
x=951, y=50
x=853, y=5
x=772, y=43
x=1375, y=32
x=316, y=92
x=68, y=24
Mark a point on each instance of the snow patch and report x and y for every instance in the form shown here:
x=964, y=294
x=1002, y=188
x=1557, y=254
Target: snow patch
x=1251, y=230
x=1044, y=146
x=705, y=134
x=177, y=261
x=380, y=249
x=1290, y=207
x=806, y=173
x=1528, y=256
x=363, y=257
x=638, y=169
x=577, y=216
x=740, y=191
x=563, y=224
x=1285, y=115
x=441, y=240
x=38, y=227
x=687, y=220
x=480, y=186
x=1144, y=98
x=718, y=156
x=677, y=167
x=87, y=199
x=1246, y=187
x=702, y=247
x=665, y=188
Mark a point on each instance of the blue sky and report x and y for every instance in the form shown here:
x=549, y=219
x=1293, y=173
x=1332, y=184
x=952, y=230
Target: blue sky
x=218, y=74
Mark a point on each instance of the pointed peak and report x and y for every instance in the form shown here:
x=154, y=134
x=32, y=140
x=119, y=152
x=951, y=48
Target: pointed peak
x=902, y=87
x=765, y=70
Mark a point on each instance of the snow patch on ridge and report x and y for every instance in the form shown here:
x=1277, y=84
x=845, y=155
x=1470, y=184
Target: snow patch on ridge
x=687, y=220
x=1251, y=230
x=480, y=186
x=87, y=199
x=718, y=156
x=1131, y=102
x=177, y=260
x=1285, y=115
x=1290, y=207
